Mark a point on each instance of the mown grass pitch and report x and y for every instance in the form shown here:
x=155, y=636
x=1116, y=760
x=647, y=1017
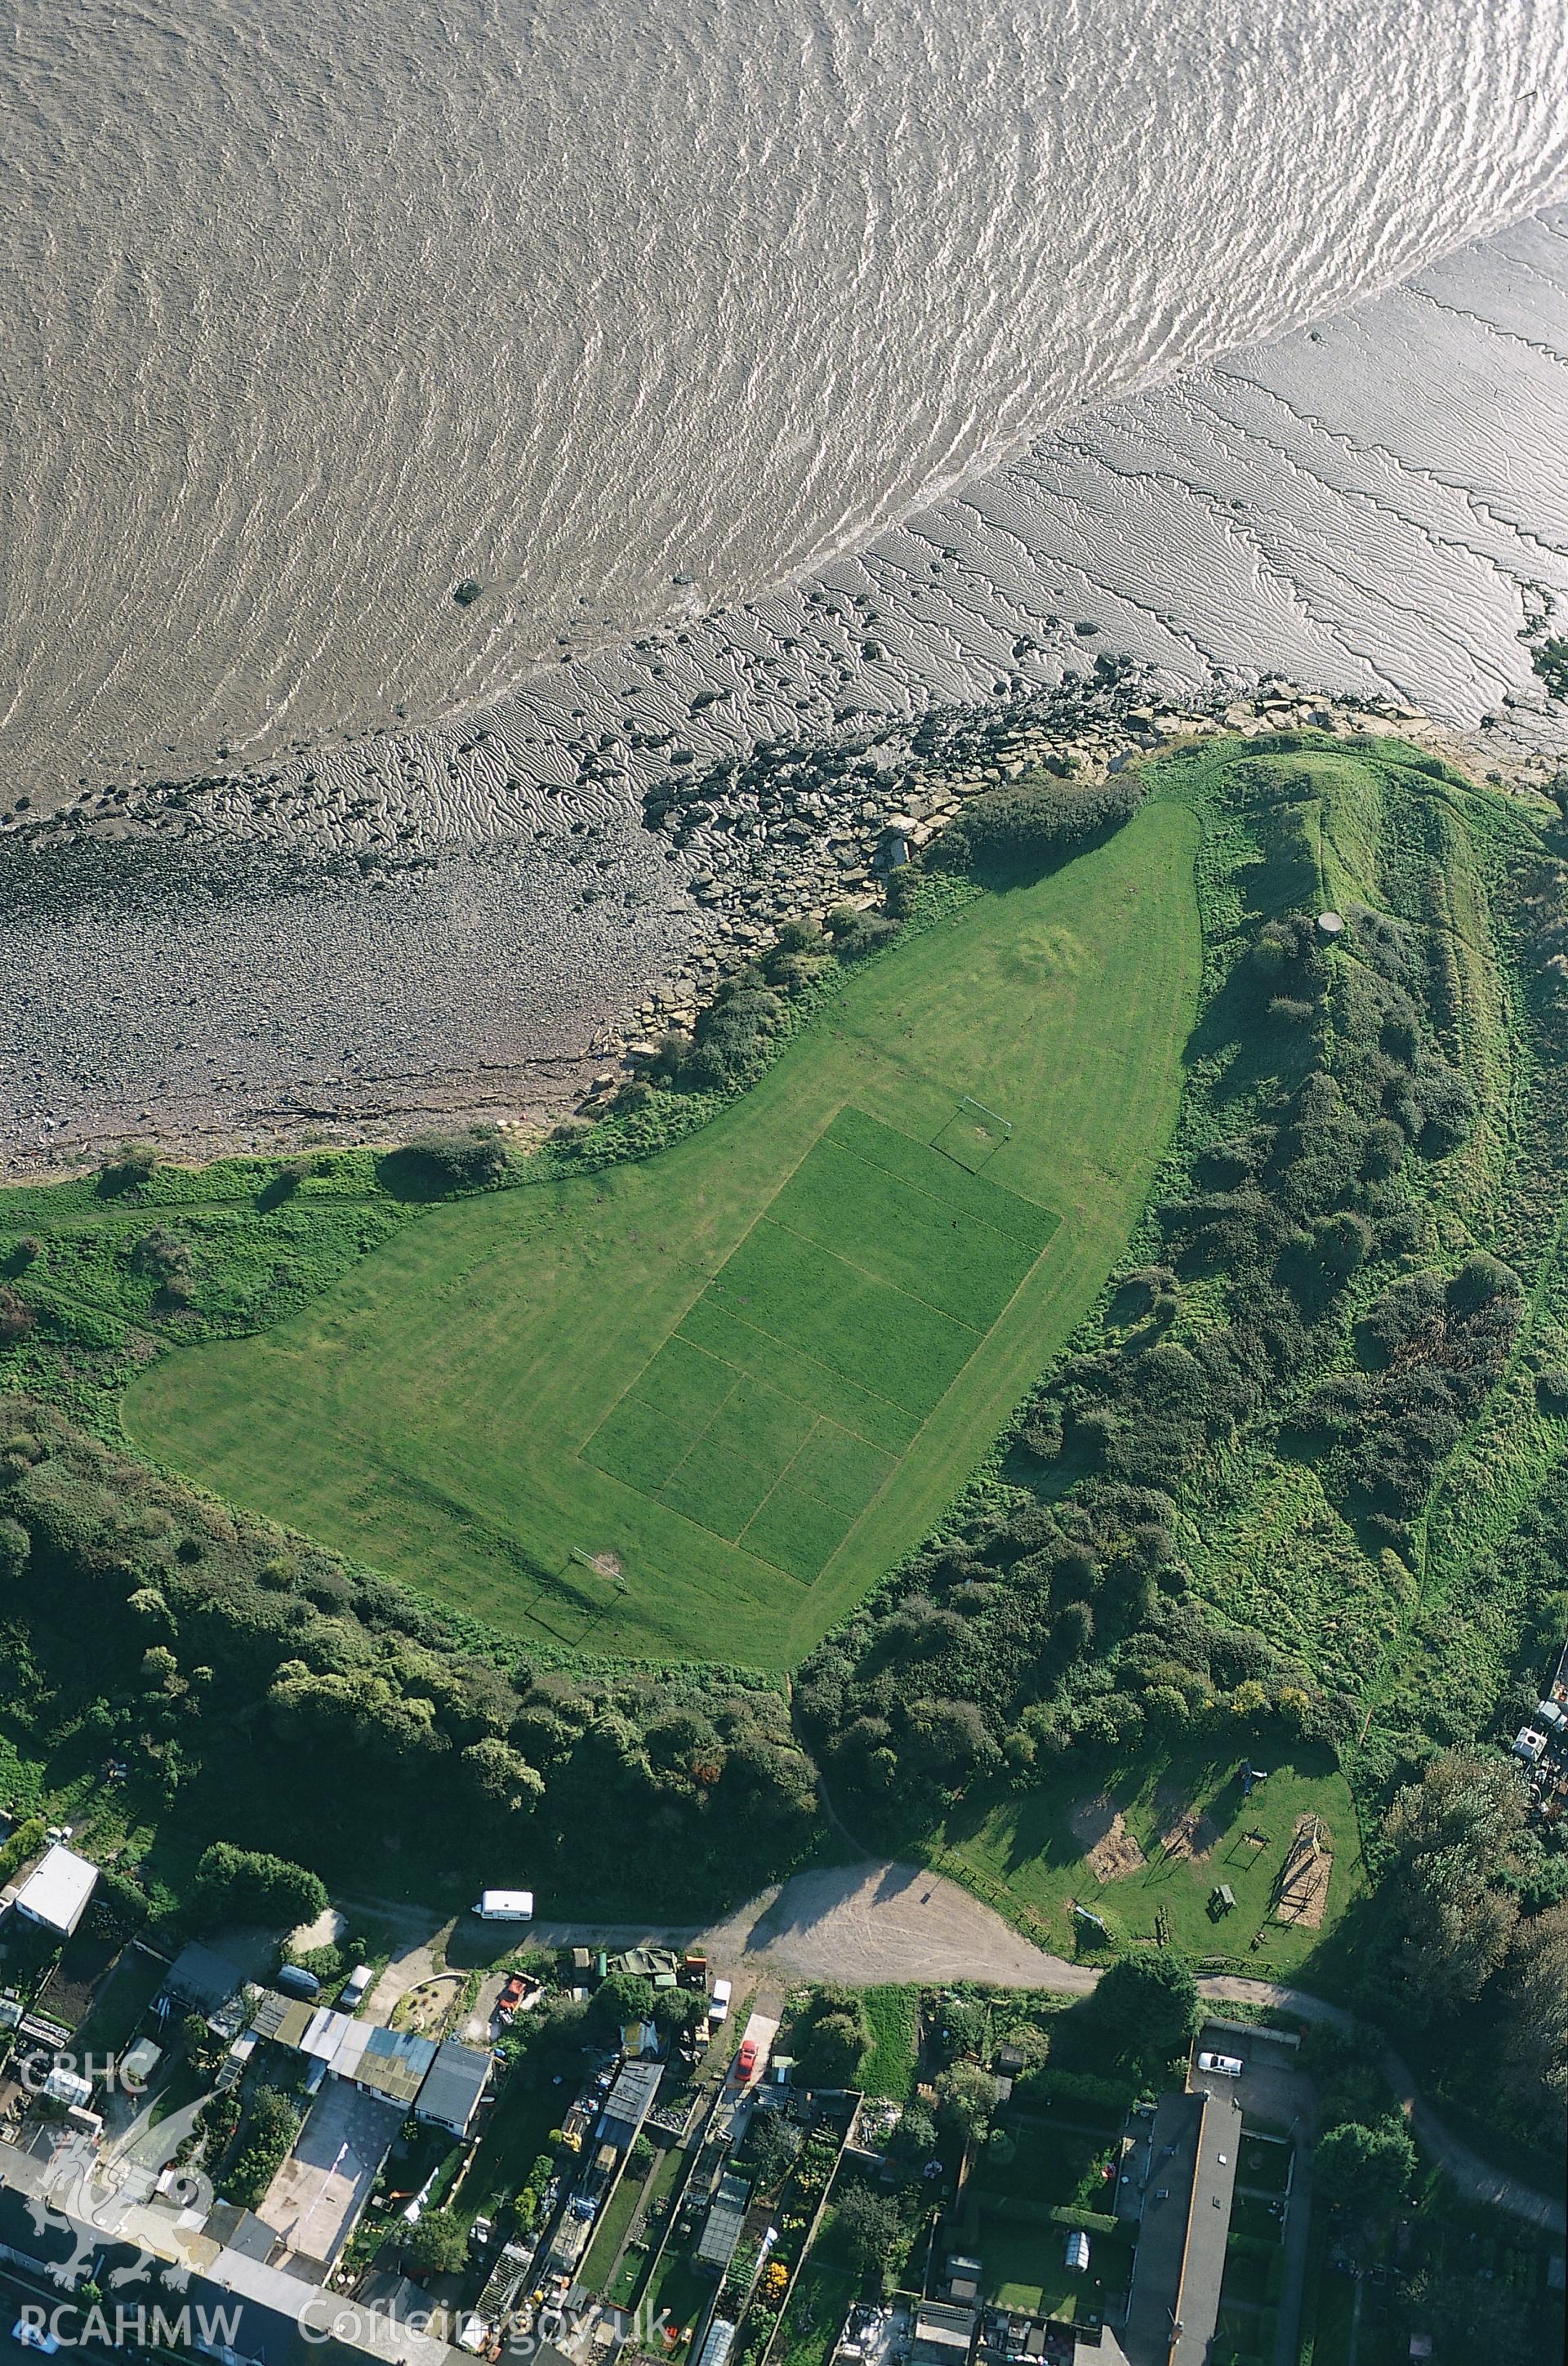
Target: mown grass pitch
x=873, y=1266
x=748, y=1372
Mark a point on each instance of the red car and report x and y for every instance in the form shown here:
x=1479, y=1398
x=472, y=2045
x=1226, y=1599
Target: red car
x=511, y=1996
x=746, y=2060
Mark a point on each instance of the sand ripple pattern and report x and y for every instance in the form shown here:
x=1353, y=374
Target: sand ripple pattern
x=460, y=918
x=316, y=306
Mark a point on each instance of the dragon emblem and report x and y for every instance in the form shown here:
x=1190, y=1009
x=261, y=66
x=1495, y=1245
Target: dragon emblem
x=73, y=2200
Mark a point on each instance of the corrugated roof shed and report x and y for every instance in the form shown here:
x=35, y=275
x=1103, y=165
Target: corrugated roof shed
x=335, y=2038
x=202, y=1978
x=628, y=2103
x=275, y=2013
x=390, y=2062
x=395, y=2062
x=942, y=2333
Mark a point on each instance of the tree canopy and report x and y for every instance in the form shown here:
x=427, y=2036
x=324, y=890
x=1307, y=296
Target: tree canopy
x=623, y=1998
x=1145, y=2008
x=436, y=2244
x=1450, y=1836
x=1365, y=2169
x=871, y=2225
x=236, y=1885
x=832, y=2038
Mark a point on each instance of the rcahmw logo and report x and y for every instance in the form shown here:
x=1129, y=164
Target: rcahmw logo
x=74, y=2204
x=69, y=2326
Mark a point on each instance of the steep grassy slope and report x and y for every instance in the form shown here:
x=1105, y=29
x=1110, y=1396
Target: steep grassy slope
x=1266, y=1501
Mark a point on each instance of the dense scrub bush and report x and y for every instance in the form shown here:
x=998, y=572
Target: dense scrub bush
x=831, y=2038
x=1032, y=823
x=272, y=2123
x=476, y=1158
x=1430, y=1348
x=26, y=1841
x=855, y=933
x=17, y=1317
x=732, y=1035
x=1039, y=1630
x=133, y=1165
x=1064, y=1622
x=165, y=1256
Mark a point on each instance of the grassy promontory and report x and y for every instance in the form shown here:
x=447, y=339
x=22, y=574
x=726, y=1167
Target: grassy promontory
x=1266, y=1417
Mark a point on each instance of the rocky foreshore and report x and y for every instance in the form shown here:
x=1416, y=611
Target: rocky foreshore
x=251, y=961
x=797, y=828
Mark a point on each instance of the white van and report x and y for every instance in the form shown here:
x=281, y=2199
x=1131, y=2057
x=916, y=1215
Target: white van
x=505, y=1906
x=1223, y=2066
x=718, y=2003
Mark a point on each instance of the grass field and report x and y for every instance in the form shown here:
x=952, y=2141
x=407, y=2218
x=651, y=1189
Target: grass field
x=694, y=1406
x=1021, y=1848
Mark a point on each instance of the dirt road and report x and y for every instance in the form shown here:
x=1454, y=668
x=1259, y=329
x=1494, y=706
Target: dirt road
x=865, y=1924
x=872, y=1922
x=875, y=1923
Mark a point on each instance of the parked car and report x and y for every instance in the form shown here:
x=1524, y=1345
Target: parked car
x=746, y=2060
x=511, y=1996
x=718, y=2003
x=34, y=2337
x=1223, y=2066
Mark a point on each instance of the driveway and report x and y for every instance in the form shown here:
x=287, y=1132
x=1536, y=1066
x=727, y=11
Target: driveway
x=1474, y=2178
x=320, y=2189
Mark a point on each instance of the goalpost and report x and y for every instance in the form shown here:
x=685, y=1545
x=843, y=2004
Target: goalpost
x=595, y=1561
x=978, y=1109
x=973, y=1134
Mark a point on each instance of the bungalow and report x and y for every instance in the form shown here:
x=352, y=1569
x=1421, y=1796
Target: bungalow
x=441, y=2083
